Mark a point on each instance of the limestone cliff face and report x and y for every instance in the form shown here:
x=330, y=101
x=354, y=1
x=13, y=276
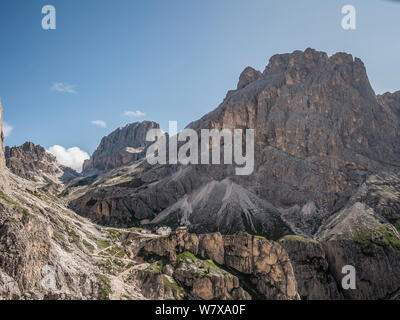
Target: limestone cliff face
x=320, y=130
x=124, y=145
x=319, y=126
x=2, y=159
x=391, y=101
x=261, y=266
x=311, y=268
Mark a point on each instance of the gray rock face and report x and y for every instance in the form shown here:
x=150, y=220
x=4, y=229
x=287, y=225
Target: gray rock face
x=320, y=131
x=32, y=162
x=248, y=76
x=123, y=146
x=2, y=159
x=319, y=127
x=326, y=156
x=360, y=237
x=391, y=101
x=311, y=269
x=260, y=265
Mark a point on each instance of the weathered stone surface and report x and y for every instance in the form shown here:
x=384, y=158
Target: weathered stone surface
x=320, y=131
x=391, y=101
x=32, y=162
x=2, y=159
x=327, y=157
x=121, y=147
x=168, y=247
x=267, y=262
x=263, y=264
x=381, y=192
x=205, y=280
x=359, y=237
x=248, y=76
x=48, y=252
x=211, y=246
x=158, y=286
x=8, y=288
x=319, y=127
x=311, y=269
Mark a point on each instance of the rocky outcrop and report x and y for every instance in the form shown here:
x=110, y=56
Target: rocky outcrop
x=156, y=285
x=265, y=263
x=391, y=101
x=259, y=264
x=48, y=252
x=248, y=76
x=2, y=159
x=8, y=288
x=311, y=269
x=33, y=162
x=359, y=237
x=121, y=147
x=205, y=280
x=381, y=192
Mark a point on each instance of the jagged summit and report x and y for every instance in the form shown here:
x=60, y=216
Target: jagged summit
x=326, y=185
x=122, y=146
x=248, y=75
x=319, y=126
x=297, y=66
x=33, y=162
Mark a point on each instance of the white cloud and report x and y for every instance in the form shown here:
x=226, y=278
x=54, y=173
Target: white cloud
x=72, y=157
x=63, y=87
x=135, y=114
x=7, y=129
x=99, y=123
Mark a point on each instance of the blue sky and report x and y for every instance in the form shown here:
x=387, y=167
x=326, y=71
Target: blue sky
x=170, y=59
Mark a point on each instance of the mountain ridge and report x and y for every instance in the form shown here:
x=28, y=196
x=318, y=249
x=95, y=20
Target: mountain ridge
x=320, y=131
x=325, y=193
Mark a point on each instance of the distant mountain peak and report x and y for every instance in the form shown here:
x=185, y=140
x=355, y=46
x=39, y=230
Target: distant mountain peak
x=33, y=162
x=115, y=150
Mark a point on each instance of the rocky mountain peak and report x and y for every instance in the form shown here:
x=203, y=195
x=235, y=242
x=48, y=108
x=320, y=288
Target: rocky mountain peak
x=248, y=75
x=392, y=101
x=33, y=162
x=298, y=66
x=122, y=146
x=2, y=159
x=319, y=127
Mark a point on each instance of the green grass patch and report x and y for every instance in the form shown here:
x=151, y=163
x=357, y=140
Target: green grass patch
x=155, y=267
x=173, y=286
x=114, y=234
x=8, y=200
x=116, y=251
x=293, y=237
x=205, y=267
x=380, y=238
x=104, y=287
x=102, y=244
x=88, y=245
